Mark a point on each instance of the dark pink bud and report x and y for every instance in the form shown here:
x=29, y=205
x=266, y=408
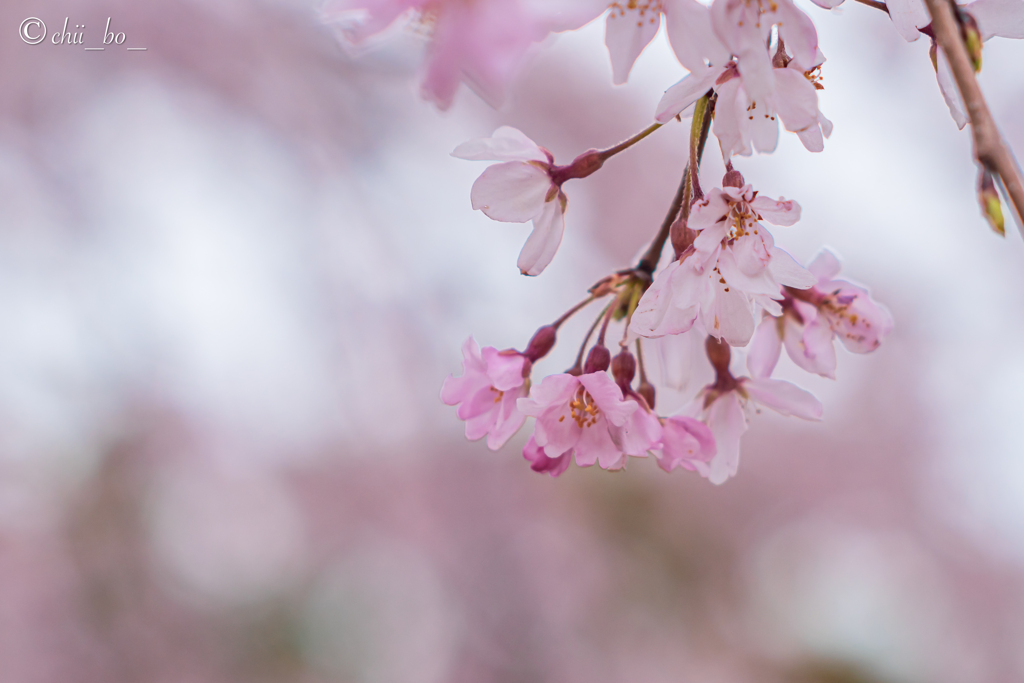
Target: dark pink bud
x=733, y=178
x=541, y=343
x=646, y=389
x=682, y=236
x=598, y=359
x=624, y=369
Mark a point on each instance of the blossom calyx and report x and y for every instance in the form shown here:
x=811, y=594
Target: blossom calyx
x=541, y=343
x=989, y=200
x=733, y=178
x=624, y=369
x=582, y=166
x=598, y=359
x=682, y=236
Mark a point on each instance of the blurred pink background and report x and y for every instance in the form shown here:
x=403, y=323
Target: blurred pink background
x=235, y=269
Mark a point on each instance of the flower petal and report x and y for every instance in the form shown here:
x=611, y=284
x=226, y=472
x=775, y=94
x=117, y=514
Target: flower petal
x=608, y=397
x=788, y=272
x=688, y=24
x=504, y=369
x=691, y=88
x=627, y=33
x=545, y=239
x=512, y=192
x=783, y=397
x=506, y=144
x=727, y=422
x=539, y=462
x=765, y=348
x=795, y=99
x=1004, y=18
x=825, y=266
x=950, y=92
x=780, y=211
x=907, y=16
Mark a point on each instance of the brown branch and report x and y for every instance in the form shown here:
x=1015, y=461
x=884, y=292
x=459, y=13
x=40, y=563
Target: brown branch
x=990, y=150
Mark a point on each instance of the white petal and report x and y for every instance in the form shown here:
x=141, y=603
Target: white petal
x=765, y=348
x=784, y=398
x=732, y=106
x=543, y=242
x=764, y=129
x=507, y=144
x=512, y=192
x=788, y=272
x=795, y=100
x=1004, y=18
x=950, y=92
x=688, y=23
x=825, y=266
x=627, y=33
x=687, y=91
x=907, y=16
x=727, y=422
x=776, y=211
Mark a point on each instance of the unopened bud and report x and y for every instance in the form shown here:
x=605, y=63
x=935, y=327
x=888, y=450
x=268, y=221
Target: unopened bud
x=646, y=389
x=733, y=178
x=541, y=343
x=991, y=208
x=623, y=369
x=598, y=359
x=682, y=236
x=972, y=39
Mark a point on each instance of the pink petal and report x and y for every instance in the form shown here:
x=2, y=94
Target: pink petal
x=657, y=314
x=708, y=212
x=685, y=442
x=825, y=266
x=764, y=129
x=691, y=88
x=728, y=315
x=608, y=397
x=784, y=398
x=553, y=390
x=727, y=422
x=639, y=433
x=688, y=24
x=508, y=420
x=1004, y=18
x=812, y=139
x=765, y=348
x=545, y=239
x=539, y=462
x=507, y=144
x=818, y=344
x=627, y=33
x=731, y=108
x=504, y=369
x=474, y=377
x=776, y=211
x=827, y=4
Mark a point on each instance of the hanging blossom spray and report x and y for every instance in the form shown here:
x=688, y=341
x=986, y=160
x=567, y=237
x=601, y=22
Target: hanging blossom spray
x=752, y=64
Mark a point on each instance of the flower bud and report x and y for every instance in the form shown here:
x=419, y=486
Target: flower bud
x=541, y=342
x=733, y=178
x=623, y=369
x=972, y=39
x=598, y=359
x=989, y=200
x=682, y=236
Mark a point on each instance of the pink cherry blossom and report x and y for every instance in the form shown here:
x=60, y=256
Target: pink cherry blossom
x=632, y=24
x=685, y=442
x=742, y=123
x=487, y=392
x=733, y=268
x=482, y=43
x=744, y=26
x=520, y=189
x=809, y=325
x=539, y=462
x=727, y=414
x=588, y=416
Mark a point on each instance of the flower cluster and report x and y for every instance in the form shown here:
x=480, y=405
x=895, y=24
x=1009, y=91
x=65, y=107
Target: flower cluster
x=751, y=65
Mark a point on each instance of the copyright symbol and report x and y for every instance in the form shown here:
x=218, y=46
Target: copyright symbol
x=29, y=29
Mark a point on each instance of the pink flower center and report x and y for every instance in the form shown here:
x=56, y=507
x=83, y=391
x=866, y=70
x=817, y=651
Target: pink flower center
x=584, y=411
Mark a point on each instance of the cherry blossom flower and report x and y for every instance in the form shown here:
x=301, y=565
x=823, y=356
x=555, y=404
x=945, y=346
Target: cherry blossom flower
x=632, y=24
x=727, y=414
x=744, y=26
x=742, y=123
x=481, y=43
x=734, y=267
x=539, y=462
x=587, y=415
x=685, y=442
x=487, y=392
x=809, y=324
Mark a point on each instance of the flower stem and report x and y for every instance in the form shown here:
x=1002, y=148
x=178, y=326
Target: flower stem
x=683, y=199
x=572, y=311
x=606, y=154
x=577, y=367
x=990, y=149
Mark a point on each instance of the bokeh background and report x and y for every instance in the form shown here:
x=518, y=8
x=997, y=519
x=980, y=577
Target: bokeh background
x=236, y=267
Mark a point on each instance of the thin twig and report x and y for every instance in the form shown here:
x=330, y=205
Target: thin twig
x=572, y=311
x=990, y=150
x=578, y=365
x=612, y=151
